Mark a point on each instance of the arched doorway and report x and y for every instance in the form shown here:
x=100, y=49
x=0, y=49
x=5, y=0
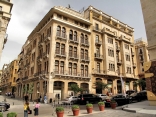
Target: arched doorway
x=119, y=86
x=85, y=88
x=110, y=85
x=70, y=92
x=58, y=89
x=98, y=89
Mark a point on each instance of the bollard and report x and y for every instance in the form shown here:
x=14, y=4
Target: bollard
x=13, y=103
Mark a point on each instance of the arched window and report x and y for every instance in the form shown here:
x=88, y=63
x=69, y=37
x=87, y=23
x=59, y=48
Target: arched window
x=71, y=35
x=75, y=36
x=86, y=39
x=82, y=38
x=63, y=32
x=58, y=30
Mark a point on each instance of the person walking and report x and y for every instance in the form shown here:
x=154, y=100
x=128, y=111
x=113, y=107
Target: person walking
x=26, y=97
x=36, y=109
x=26, y=109
x=45, y=99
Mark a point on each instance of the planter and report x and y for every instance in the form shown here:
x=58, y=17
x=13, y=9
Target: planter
x=101, y=107
x=76, y=112
x=89, y=110
x=113, y=105
x=60, y=114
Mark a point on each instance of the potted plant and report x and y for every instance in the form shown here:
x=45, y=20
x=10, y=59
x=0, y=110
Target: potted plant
x=101, y=106
x=1, y=115
x=113, y=104
x=89, y=107
x=75, y=109
x=12, y=114
x=60, y=111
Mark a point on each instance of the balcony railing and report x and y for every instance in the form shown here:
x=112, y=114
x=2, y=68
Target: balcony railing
x=97, y=42
x=60, y=53
x=132, y=53
x=73, y=56
x=41, y=73
x=97, y=71
x=74, y=39
x=47, y=38
x=84, y=42
x=134, y=65
x=61, y=36
x=108, y=31
x=119, y=61
x=85, y=58
x=98, y=56
x=96, y=29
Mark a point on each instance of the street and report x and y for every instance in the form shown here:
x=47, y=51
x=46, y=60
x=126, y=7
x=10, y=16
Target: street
x=47, y=110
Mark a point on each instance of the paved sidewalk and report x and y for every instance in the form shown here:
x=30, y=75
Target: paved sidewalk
x=141, y=107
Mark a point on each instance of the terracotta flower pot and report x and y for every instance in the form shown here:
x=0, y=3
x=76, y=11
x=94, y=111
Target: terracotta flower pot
x=113, y=105
x=60, y=114
x=101, y=107
x=89, y=110
x=76, y=112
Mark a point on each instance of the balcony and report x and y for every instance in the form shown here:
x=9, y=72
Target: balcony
x=132, y=53
x=74, y=40
x=98, y=72
x=108, y=31
x=98, y=43
x=39, y=58
x=45, y=55
x=84, y=43
x=40, y=44
x=122, y=37
x=134, y=65
x=96, y=29
x=60, y=54
x=47, y=38
x=61, y=36
x=117, y=48
x=85, y=59
x=119, y=61
x=73, y=56
x=98, y=56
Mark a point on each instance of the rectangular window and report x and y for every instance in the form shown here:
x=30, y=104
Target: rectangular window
x=57, y=48
x=98, y=67
x=32, y=70
x=96, y=26
x=81, y=24
x=59, y=16
x=86, y=71
x=82, y=70
x=70, y=51
x=62, y=67
x=127, y=46
x=97, y=39
x=15, y=71
x=75, y=69
x=127, y=57
x=65, y=18
x=75, y=52
x=129, y=70
x=63, y=49
x=86, y=54
x=110, y=40
x=82, y=53
x=70, y=68
x=57, y=67
x=76, y=22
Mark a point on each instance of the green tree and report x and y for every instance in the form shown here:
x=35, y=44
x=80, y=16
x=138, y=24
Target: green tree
x=76, y=88
x=31, y=87
x=141, y=83
x=25, y=89
x=99, y=85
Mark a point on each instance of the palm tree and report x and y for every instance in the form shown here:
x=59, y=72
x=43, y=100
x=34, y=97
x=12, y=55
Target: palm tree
x=99, y=86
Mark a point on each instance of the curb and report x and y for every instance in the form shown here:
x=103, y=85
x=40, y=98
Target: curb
x=129, y=110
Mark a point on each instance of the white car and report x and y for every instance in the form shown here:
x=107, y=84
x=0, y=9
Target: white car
x=103, y=96
x=71, y=99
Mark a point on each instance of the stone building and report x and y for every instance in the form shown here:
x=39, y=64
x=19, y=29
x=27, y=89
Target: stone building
x=9, y=77
x=5, y=16
x=68, y=47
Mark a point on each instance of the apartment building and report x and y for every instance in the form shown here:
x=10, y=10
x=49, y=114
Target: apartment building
x=5, y=16
x=142, y=55
x=9, y=77
x=68, y=47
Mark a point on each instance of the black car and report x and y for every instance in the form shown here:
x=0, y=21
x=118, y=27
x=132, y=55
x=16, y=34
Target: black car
x=142, y=95
x=88, y=98
x=120, y=99
x=5, y=105
x=129, y=92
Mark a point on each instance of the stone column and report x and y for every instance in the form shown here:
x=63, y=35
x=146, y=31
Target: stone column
x=65, y=89
x=131, y=85
x=114, y=88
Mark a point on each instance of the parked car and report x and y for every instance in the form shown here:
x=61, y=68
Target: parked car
x=129, y=92
x=71, y=99
x=103, y=96
x=91, y=98
x=142, y=95
x=5, y=105
x=119, y=98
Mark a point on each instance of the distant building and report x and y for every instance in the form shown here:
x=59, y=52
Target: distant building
x=5, y=16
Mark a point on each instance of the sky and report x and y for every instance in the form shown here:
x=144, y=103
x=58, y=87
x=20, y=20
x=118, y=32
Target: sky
x=26, y=14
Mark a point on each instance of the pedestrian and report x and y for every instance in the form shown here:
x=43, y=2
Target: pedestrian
x=26, y=109
x=40, y=98
x=45, y=99
x=36, y=109
x=26, y=97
